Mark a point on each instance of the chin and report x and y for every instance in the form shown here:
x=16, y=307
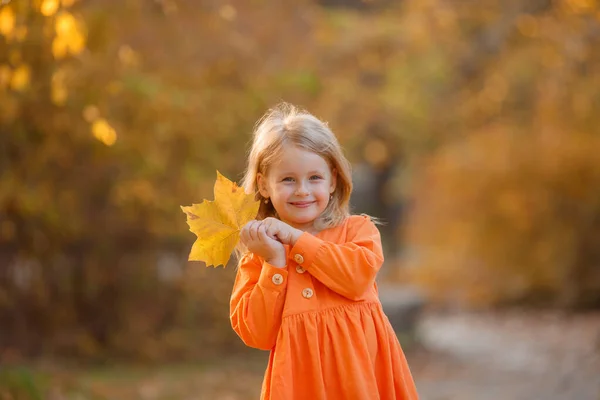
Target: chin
x=300, y=221
x=294, y=220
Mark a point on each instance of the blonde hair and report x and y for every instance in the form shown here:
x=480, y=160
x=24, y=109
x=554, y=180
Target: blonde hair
x=284, y=125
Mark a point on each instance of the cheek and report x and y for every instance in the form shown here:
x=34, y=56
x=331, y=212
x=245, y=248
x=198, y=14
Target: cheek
x=324, y=193
x=283, y=192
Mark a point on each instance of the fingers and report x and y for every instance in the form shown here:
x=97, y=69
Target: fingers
x=244, y=233
x=262, y=233
x=253, y=230
x=271, y=227
x=271, y=232
x=248, y=231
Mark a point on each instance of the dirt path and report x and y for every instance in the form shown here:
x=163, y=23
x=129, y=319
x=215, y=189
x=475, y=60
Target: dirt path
x=508, y=356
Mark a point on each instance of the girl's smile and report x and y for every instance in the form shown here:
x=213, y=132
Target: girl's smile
x=302, y=204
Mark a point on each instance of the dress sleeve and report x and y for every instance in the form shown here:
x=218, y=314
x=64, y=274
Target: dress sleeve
x=348, y=269
x=257, y=301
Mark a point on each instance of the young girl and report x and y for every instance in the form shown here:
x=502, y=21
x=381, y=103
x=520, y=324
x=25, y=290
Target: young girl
x=305, y=288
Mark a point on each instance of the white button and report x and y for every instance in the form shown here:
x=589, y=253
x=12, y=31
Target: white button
x=299, y=269
x=277, y=279
x=298, y=258
x=307, y=293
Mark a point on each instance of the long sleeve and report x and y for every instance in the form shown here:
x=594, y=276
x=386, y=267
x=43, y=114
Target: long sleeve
x=257, y=301
x=348, y=269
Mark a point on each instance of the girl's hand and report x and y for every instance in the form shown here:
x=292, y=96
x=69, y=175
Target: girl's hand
x=281, y=231
x=254, y=236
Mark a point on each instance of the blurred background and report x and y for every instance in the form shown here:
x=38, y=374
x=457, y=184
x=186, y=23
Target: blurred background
x=474, y=132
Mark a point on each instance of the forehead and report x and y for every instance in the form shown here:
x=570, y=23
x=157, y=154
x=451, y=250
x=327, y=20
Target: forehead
x=296, y=160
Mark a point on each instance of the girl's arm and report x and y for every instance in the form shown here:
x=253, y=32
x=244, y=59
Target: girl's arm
x=348, y=269
x=257, y=302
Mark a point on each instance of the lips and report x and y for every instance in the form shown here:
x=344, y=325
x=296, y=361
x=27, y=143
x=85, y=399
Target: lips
x=302, y=204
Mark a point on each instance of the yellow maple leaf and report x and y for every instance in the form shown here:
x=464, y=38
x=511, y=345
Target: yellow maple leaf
x=217, y=223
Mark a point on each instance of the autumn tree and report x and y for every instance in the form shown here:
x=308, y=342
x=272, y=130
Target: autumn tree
x=506, y=203
x=113, y=117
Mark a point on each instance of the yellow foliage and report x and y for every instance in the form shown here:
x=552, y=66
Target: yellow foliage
x=58, y=89
x=503, y=224
x=5, y=73
x=67, y=3
x=528, y=25
x=128, y=56
x=91, y=113
x=582, y=6
x=114, y=87
x=58, y=94
x=49, y=7
x=7, y=20
x=69, y=38
x=376, y=152
x=20, y=78
x=20, y=33
x=14, y=57
x=228, y=12
x=59, y=48
x=217, y=223
x=102, y=131
x=65, y=24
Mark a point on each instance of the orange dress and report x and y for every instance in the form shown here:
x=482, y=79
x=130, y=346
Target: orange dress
x=321, y=318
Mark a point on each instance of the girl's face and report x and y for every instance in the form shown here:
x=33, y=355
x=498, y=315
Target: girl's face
x=299, y=186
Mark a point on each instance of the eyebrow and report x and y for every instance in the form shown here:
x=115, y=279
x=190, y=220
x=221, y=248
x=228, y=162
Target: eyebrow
x=313, y=172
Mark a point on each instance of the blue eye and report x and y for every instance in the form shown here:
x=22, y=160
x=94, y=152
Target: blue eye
x=315, y=177
x=287, y=179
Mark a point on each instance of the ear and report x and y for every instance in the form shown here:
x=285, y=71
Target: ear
x=333, y=180
x=261, y=182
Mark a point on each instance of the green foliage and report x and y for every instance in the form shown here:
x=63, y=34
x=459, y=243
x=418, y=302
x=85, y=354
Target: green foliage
x=21, y=384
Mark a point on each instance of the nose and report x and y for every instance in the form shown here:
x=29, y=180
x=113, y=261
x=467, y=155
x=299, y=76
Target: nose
x=301, y=189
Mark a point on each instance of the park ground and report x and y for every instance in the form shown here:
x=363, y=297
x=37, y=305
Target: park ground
x=460, y=356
